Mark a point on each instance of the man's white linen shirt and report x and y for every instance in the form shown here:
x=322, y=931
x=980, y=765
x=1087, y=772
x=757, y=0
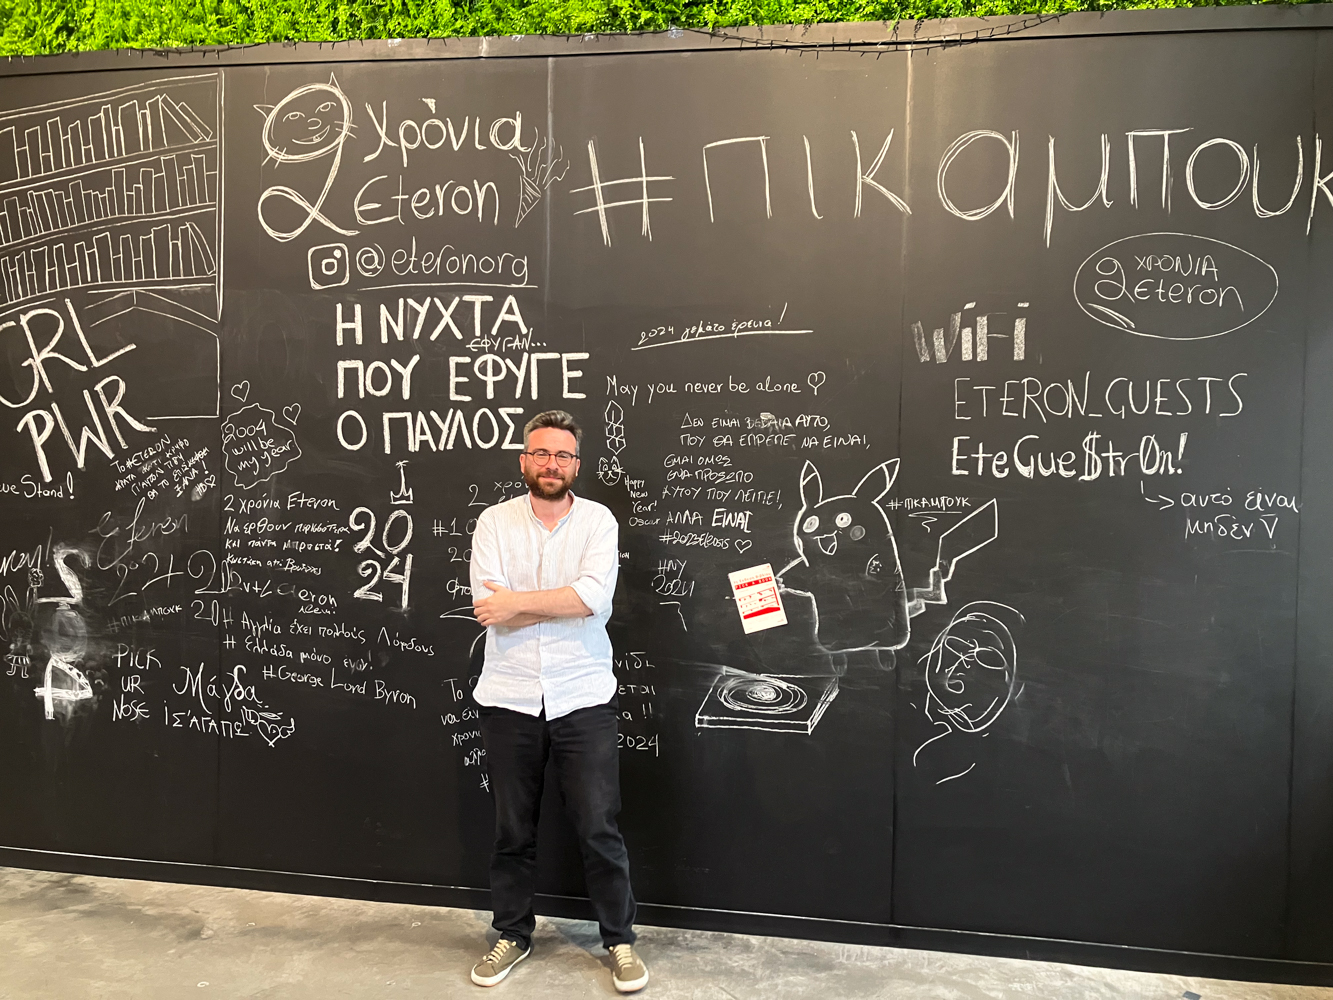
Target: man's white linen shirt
x=563, y=664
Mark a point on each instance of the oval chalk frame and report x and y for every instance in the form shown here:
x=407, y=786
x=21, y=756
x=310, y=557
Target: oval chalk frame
x=1160, y=336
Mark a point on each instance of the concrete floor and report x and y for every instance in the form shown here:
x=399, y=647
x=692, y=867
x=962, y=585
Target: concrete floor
x=72, y=937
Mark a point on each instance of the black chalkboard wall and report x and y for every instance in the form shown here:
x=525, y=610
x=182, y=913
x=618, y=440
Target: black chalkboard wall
x=1013, y=353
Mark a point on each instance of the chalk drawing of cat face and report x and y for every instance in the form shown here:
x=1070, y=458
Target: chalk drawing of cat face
x=851, y=569
x=308, y=123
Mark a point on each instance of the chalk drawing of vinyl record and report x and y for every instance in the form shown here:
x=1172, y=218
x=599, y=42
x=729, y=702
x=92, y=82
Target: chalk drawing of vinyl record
x=761, y=695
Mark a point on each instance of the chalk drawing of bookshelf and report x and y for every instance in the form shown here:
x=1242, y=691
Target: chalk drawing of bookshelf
x=112, y=191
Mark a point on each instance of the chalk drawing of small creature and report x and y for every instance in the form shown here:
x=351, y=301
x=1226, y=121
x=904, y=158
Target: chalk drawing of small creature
x=848, y=564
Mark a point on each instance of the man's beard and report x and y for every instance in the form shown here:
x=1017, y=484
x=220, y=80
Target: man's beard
x=544, y=491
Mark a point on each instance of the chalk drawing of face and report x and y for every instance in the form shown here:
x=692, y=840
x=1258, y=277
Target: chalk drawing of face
x=972, y=667
x=308, y=123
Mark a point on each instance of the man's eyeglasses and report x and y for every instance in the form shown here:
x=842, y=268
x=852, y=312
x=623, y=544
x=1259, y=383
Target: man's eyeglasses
x=541, y=456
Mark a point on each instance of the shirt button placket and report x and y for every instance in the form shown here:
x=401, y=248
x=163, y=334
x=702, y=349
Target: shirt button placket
x=541, y=585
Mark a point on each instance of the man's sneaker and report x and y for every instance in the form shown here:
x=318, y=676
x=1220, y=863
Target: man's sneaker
x=628, y=972
x=499, y=960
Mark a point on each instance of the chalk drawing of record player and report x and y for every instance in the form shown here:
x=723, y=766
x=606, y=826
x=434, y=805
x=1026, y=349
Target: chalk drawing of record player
x=778, y=703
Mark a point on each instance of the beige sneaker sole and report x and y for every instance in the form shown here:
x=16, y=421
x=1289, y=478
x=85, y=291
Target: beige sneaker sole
x=492, y=980
x=630, y=985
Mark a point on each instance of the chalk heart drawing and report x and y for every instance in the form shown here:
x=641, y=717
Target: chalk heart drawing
x=1174, y=286
x=742, y=544
x=816, y=379
x=270, y=726
x=241, y=391
x=255, y=447
x=270, y=731
x=292, y=411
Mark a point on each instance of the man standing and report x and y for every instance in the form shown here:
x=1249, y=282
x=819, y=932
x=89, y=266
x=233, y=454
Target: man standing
x=543, y=575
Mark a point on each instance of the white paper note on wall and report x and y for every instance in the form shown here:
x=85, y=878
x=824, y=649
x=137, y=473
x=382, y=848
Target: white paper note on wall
x=757, y=598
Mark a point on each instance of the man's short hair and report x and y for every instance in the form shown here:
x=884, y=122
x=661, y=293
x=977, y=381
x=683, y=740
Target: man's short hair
x=558, y=419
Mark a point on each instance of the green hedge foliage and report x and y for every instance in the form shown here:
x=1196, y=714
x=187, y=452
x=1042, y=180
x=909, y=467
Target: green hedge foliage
x=37, y=27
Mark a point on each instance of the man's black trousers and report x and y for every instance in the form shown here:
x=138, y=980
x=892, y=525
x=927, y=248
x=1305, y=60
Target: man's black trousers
x=586, y=759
